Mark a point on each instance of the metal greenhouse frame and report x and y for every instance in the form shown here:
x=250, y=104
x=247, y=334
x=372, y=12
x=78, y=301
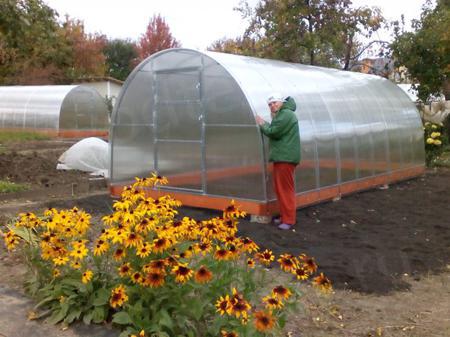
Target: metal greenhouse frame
x=59, y=110
x=190, y=116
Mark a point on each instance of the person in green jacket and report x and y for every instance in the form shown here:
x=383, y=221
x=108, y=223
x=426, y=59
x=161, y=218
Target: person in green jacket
x=284, y=153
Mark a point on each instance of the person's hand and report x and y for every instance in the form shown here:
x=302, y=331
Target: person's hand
x=259, y=120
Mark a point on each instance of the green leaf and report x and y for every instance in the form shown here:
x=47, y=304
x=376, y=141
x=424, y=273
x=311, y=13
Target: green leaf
x=164, y=319
x=99, y=314
x=122, y=318
x=101, y=297
x=87, y=318
x=56, y=317
x=73, y=315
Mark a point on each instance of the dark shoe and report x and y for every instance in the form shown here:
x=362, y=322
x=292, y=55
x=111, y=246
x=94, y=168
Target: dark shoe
x=284, y=226
x=276, y=220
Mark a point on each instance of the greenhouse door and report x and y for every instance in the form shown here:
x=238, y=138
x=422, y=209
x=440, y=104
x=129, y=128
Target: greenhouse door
x=179, y=128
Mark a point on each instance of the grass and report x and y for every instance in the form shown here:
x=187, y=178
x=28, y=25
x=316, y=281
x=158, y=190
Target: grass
x=9, y=187
x=20, y=136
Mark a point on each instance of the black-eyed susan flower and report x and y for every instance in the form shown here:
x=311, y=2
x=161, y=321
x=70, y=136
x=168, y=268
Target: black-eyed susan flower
x=225, y=333
x=118, y=296
x=161, y=244
x=56, y=273
x=100, y=247
x=247, y=245
x=265, y=257
x=154, y=279
x=11, y=240
x=287, y=262
x=133, y=240
x=144, y=250
x=136, y=277
x=76, y=265
x=60, y=260
x=79, y=253
x=264, y=321
x=233, y=211
x=158, y=180
x=239, y=306
x=301, y=273
x=308, y=263
x=182, y=273
x=223, y=305
x=203, y=275
x=281, y=292
x=119, y=254
x=272, y=302
x=221, y=253
x=323, y=283
x=87, y=276
x=125, y=269
x=250, y=263
x=158, y=265
x=203, y=247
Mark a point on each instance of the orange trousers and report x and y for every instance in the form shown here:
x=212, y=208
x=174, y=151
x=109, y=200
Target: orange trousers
x=283, y=180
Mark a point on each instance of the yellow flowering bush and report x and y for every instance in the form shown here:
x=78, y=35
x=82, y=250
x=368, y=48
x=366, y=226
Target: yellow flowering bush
x=153, y=273
x=435, y=140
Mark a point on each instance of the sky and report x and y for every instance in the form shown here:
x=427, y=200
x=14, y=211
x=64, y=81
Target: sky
x=195, y=23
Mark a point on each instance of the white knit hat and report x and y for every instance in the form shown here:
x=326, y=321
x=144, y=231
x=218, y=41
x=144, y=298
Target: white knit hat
x=275, y=97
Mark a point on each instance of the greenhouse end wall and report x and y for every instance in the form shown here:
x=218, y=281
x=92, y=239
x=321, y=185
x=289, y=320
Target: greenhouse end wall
x=190, y=116
x=59, y=110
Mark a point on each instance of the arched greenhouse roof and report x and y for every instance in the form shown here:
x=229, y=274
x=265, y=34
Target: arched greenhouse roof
x=53, y=108
x=190, y=116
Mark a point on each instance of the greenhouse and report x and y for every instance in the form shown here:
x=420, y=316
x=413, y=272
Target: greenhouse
x=59, y=110
x=190, y=116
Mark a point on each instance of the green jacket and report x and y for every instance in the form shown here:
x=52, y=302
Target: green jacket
x=283, y=133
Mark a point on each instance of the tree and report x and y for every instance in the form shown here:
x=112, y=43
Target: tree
x=316, y=32
x=425, y=52
x=121, y=58
x=87, y=58
x=157, y=37
x=31, y=48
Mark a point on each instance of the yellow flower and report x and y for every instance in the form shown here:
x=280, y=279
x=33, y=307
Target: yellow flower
x=250, y=263
x=154, y=279
x=266, y=257
x=430, y=140
x=79, y=253
x=100, y=247
x=301, y=273
x=437, y=142
x=203, y=275
x=434, y=126
x=223, y=305
x=125, y=269
x=281, y=292
x=239, y=306
x=182, y=273
x=264, y=321
x=272, y=302
x=143, y=250
x=87, y=276
x=323, y=283
x=228, y=334
x=75, y=265
x=141, y=334
x=435, y=134
x=118, y=296
x=60, y=260
x=287, y=262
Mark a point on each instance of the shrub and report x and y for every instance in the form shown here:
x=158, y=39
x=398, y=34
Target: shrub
x=435, y=141
x=151, y=273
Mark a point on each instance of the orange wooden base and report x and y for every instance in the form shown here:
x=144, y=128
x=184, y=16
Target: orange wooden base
x=269, y=208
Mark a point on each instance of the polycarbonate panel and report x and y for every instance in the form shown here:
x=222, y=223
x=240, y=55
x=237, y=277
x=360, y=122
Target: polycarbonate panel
x=182, y=85
x=306, y=174
x=181, y=163
x=175, y=59
x=222, y=97
x=179, y=121
x=52, y=107
x=132, y=152
x=136, y=103
x=233, y=162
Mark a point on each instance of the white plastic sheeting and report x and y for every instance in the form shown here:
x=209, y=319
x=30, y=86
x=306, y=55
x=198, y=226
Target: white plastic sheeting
x=88, y=155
